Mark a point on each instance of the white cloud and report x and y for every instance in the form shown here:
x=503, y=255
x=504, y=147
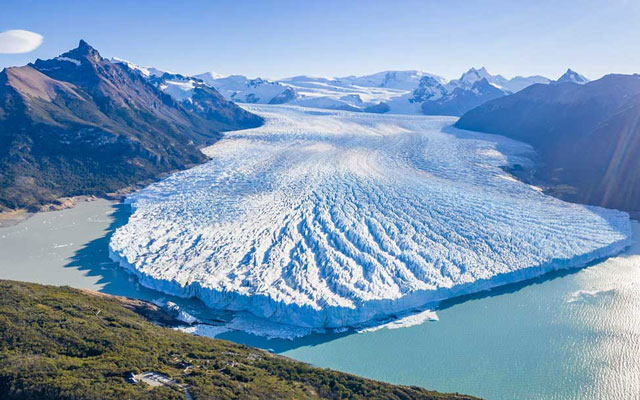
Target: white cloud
x=19, y=41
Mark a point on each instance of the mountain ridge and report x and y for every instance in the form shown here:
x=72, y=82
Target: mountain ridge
x=587, y=136
x=78, y=124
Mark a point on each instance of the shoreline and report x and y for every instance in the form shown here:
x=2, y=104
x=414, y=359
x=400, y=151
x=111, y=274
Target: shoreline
x=12, y=217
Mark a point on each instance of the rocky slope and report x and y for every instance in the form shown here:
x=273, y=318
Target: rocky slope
x=80, y=124
x=461, y=99
x=587, y=136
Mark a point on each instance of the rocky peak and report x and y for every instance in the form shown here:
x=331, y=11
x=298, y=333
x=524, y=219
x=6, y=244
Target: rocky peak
x=573, y=76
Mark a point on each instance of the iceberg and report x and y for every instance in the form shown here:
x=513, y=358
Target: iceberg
x=327, y=219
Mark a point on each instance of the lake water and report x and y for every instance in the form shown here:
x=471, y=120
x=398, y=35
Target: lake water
x=566, y=336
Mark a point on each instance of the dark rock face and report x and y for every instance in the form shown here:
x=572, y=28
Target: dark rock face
x=427, y=89
x=379, y=108
x=286, y=96
x=461, y=99
x=587, y=136
x=78, y=124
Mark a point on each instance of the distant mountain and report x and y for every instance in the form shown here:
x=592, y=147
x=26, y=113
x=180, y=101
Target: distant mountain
x=518, y=83
x=403, y=80
x=572, y=77
x=244, y=90
x=208, y=77
x=511, y=85
x=396, y=92
x=399, y=92
x=474, y=75
x=464, y=98
x=473, y=88
x=587, y=136
x=80, y=124
x=429, y=89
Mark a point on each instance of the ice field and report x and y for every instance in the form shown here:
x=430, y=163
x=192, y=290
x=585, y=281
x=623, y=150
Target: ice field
x=330, y=218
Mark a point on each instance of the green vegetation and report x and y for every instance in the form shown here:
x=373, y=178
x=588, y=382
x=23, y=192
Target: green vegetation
x=63, y=343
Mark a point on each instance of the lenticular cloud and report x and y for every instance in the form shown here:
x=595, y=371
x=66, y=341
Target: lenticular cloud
x=19, y=41
x=331, y=218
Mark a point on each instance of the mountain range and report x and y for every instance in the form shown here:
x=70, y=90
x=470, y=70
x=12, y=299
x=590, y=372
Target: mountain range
x=398, y=92
x=587, y=135
x=81, y=124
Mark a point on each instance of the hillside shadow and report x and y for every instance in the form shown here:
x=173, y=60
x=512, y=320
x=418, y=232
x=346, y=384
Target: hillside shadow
x=93, y=259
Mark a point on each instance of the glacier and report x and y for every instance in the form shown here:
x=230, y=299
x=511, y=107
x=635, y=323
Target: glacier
x=326, y=219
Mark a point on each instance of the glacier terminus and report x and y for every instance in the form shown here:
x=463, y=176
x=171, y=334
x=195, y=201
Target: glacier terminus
x=326, y=219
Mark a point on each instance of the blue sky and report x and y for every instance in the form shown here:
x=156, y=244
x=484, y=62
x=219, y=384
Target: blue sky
x=275, y=39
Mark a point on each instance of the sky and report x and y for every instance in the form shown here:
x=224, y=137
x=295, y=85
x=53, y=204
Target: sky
x=276, y=39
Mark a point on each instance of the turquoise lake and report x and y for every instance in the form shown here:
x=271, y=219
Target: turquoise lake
x=568, y=335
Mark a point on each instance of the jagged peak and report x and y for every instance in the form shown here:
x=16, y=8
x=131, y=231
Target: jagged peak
x=84, y=45
x=573, y=76
x=84, y=50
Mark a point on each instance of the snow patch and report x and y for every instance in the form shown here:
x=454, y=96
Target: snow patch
x=71, y=60
x=179, y=89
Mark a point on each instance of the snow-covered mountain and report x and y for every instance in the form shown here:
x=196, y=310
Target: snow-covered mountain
x=464, y=98
x=403, y=80
x=351, y=93
x=472, y=76
x=145, y=71
x=407, y=92
x=518, y=83
x=178, y=86
x=241, y=89
x=395, y=92
x=209, y=77
x=511, y=85
x=81, y=124
x=573, y=77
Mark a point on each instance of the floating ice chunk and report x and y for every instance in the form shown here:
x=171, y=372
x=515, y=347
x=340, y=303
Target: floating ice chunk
x=589, y=296
x=404, y=322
